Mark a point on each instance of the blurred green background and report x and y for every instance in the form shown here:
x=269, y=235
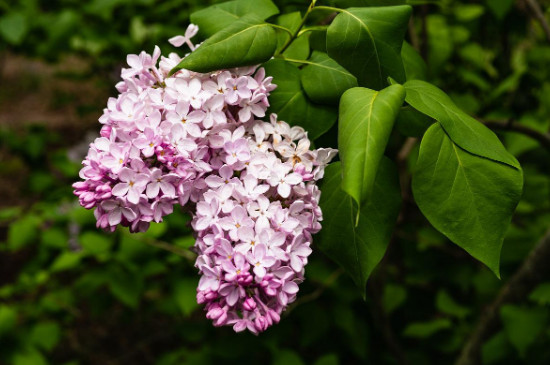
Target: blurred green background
x=70, y=294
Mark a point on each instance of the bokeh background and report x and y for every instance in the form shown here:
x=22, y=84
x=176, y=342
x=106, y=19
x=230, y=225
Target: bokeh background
x=71, y=294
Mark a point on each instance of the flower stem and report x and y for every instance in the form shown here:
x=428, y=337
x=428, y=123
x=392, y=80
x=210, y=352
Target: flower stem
x=312, y=29
x=295, y=34
x=282, y=28
x=322, y=7
x=295, y=60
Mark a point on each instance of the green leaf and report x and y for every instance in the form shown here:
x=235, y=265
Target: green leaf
x=318, y=40
x=468, y=12
x=496, y=349
x=410, y=122
x=23, y=232
x=8, y=319
x=358, y=249
x=500, y=8
x=291, y=104
x=184, y=242
x=415, y=67
x=156, y=229
x=299, y=48
x=185, y=293
x=367, y=42
x=55, y=238
x=287, y=357
x=541, y=294
x=220, y=16
x=366, y=121
x=45, y=335
x=468, y=198
x=13, y=27
x=523, y=325
x=125, y=286
x=440, y=42
x=446, y=304
x=95, y=243
x=29, y=356
x=518, y=143
x=248, y=41
x=328, y=359
x=426, y=329
x=479, y=57
x=66, y=261
x=324, y=80
x=394, y=296
x=10, y=213
x=465, y=131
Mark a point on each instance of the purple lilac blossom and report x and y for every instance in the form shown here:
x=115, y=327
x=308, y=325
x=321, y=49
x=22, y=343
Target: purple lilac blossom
x=193, y=139
x=157, y=137
x=255, y=250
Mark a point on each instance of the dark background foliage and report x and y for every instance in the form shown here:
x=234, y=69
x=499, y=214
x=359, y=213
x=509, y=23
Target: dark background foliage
x=70, y=294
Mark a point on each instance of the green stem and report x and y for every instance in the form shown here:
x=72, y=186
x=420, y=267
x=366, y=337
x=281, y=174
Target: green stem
x=311, y=29
x=295, y=34
x=186, y=254
x=281, y=28
x=322, y=7
x=294, y=60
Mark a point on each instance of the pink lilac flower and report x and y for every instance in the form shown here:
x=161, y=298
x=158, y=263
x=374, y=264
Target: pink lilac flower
x=273, y=231
x=195, y=140
x=131, y=185
x=179, y=40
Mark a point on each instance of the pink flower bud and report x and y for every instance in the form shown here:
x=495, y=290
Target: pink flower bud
x=249, y=304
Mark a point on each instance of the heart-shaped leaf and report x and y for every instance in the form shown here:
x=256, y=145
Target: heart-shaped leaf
x=291, y=104
x=248, y=41
x=324, y=80
x=523, y=325
x=415, y=67
x=13, y=27
x=358, y=249
x=220, y=16
x=366, y=121
x=367, y=42
x=464, y=130
x=468, y=198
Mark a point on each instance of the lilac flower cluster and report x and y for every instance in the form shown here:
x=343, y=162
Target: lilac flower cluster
x=254, y=223
x=195, y=140
x=158, y=137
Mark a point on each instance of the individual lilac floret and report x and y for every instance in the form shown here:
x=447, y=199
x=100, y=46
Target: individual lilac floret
x=155, y=142
x=254, y=222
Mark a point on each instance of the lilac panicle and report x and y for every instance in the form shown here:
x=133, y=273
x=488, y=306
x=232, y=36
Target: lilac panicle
x=195, y=140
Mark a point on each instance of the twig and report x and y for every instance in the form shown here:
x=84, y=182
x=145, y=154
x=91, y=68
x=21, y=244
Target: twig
x=531, y=272
x=538, y=14
x=406, y=149
x=3, y=58
x=297, y=31
x=542, y=138
x=404, y=176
